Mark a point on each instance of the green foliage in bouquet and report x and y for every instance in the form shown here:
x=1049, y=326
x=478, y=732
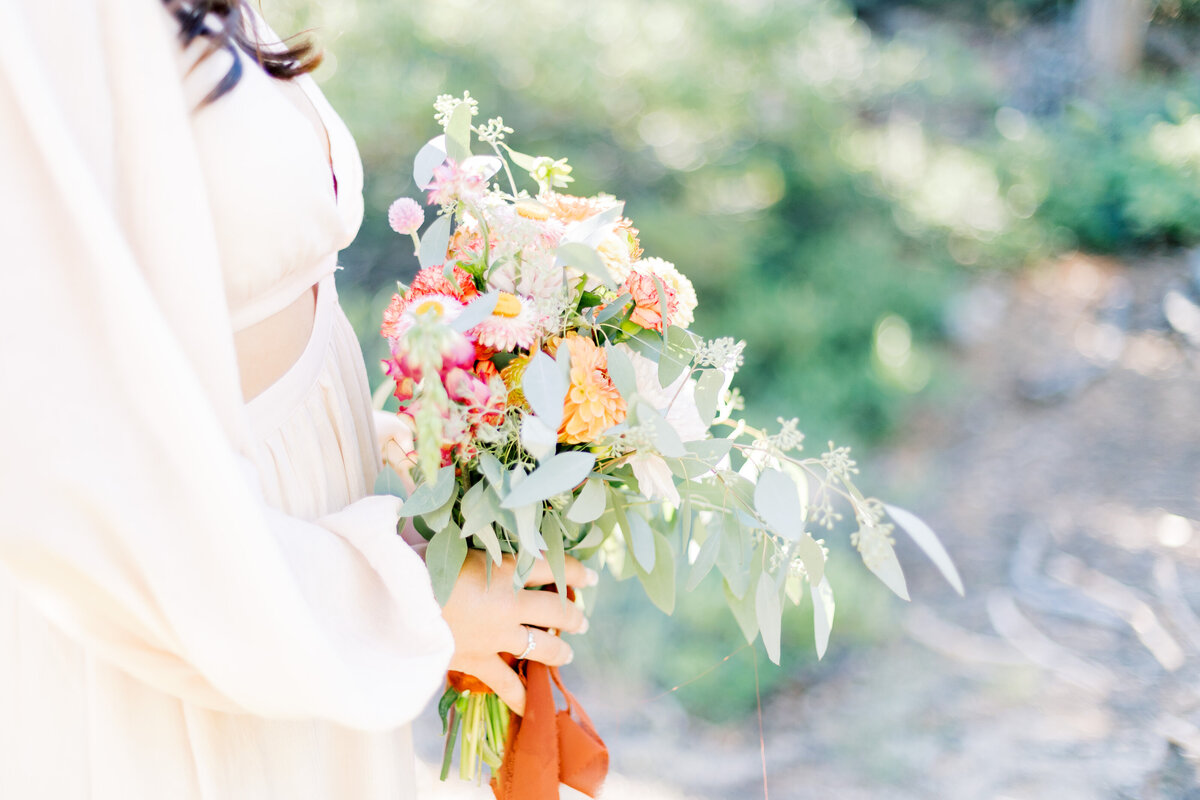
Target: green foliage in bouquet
x=557, y=403
x=598, y=424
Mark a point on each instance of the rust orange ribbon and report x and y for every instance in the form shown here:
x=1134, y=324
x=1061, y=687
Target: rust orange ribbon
x=549, y=746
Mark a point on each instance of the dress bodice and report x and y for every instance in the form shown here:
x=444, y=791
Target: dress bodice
x=273, y=153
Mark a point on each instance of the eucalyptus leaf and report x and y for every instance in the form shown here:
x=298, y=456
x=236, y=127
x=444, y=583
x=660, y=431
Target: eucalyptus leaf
x=553, y=533
x=812, y=556
x=778, y=502
x=525, y=162
x=592, y=539
x=545, y=389
x=444, y=558
x=434, y=242
x=561, y=473
x=743, y=611
x=793, y=587
x=710, y=451
x=592, y=230
x=431, y=156
x=480, y=309
x=480, y=507
x=928, y=541
x=589, y=505
x=666, y=439
x=664, y=310
x=458, y=133
x=641, y=541
x=490, y=466
x=620, y=369
x=612, y=309
x=537, y=438
x=769, y=613
x=439, y=517
x=491, y=543
x=708, y=392
x=659, y=582
x=823, y=608
x=525, y=562
x=528, y=533
x=676, y=355
x=585, y=259
x=705, y=558
x=731, y=561
x=883, y=562
x=388, y=481
x=670, y=368
x=563, y=359
x=430, y=497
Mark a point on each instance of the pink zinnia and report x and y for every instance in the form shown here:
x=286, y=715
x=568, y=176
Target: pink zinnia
x=406, y=216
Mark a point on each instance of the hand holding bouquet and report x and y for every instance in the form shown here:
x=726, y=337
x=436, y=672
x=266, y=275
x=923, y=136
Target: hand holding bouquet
x=560, y=405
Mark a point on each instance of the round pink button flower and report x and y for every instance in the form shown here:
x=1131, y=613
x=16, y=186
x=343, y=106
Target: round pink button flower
x=406, y=216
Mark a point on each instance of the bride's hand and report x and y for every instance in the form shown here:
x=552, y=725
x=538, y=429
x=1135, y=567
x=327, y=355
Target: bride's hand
x=489, y=618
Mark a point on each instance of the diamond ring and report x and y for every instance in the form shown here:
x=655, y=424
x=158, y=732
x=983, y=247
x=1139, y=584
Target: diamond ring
x=528, y=647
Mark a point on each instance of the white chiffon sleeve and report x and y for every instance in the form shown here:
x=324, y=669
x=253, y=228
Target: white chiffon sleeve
x=127, y=511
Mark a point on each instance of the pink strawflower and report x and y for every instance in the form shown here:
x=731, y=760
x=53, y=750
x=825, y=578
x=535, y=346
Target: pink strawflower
x=432, y=280
x=406, y=216
x=393, y=315
x=511, y=325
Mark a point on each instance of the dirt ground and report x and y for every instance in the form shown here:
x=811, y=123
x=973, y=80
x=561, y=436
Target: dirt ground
x=1064, y=477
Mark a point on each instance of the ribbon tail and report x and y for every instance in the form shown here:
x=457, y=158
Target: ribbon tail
x=583, y=756
x=530, y=769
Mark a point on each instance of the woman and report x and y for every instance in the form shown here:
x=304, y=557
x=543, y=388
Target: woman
x=199, y=598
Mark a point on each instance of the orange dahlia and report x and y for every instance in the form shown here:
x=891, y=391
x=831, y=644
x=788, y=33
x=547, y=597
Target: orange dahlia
x=593, y=404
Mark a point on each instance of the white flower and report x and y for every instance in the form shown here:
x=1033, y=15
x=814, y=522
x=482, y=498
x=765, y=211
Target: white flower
x=672, y=278
x=676, y=402
x=654, y=477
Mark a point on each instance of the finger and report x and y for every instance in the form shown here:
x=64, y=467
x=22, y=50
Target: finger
x=502, y=680
x=550, y=610
x=576, y=574
x=547, y=648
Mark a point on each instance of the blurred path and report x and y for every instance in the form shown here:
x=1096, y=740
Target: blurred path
x=1064, y=476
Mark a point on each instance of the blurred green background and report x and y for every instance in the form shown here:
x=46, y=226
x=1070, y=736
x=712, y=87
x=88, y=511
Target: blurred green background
x=829, y=174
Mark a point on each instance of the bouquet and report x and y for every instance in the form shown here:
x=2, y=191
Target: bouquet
x=559, y=403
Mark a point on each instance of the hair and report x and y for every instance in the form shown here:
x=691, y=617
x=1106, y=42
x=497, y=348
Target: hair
x=195, y=18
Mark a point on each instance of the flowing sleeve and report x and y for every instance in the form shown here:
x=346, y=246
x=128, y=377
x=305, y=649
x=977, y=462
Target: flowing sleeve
x=128, y=513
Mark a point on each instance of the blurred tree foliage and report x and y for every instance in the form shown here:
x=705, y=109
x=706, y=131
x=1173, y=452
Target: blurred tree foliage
x=823, y=186
x=723, y=125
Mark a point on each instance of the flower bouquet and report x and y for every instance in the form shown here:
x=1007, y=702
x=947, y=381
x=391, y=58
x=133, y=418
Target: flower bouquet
x=560, y=404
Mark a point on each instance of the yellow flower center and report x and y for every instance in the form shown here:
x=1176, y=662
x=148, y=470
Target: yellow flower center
x=430, y=306
x=531, y=210
x=507, y=306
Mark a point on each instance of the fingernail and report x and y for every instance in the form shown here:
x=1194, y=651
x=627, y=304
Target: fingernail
x=570, y=656
x=593, y=577
x=584, y=627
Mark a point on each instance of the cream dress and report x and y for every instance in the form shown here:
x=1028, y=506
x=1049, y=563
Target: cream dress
x=199, y=598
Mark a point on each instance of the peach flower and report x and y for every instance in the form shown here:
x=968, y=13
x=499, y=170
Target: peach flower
x=593, y=404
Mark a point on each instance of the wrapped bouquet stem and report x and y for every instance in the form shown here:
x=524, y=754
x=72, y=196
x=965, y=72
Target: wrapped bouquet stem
x=560, y=404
